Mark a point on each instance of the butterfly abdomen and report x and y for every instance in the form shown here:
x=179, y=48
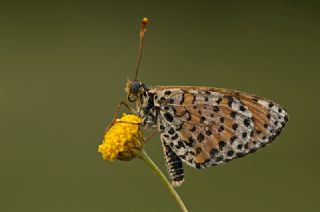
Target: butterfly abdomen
x=174, y=165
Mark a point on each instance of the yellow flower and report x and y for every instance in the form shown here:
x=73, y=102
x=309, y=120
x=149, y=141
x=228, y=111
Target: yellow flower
x=122, y=141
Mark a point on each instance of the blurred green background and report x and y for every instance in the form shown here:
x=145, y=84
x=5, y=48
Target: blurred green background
x=63, y=67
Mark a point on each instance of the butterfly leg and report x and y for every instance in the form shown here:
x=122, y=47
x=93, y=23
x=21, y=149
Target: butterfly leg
x=174, y=165
x=122, y=103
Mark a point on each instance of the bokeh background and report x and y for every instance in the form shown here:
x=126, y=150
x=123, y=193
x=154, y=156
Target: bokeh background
x=63, y=67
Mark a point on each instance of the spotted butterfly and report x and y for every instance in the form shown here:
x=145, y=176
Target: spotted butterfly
x=204, y=126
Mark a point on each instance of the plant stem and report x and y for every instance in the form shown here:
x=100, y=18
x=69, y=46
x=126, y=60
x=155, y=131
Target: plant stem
x=143, y=155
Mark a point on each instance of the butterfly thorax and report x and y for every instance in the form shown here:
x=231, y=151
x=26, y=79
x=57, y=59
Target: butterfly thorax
x=146, y=107
x=144, y=99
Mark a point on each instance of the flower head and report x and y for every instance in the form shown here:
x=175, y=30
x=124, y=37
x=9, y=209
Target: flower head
x=123, y=140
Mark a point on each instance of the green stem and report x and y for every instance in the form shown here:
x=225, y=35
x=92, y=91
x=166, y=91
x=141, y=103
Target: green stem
x=143, y=155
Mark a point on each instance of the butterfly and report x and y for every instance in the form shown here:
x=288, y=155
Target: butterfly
x=204, y=126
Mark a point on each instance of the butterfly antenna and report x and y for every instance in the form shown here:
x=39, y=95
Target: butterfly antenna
x=142, y=32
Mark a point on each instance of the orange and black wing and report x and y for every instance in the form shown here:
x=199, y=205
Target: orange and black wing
x=210, y=126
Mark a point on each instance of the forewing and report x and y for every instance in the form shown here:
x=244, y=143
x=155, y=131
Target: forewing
x=210, y=126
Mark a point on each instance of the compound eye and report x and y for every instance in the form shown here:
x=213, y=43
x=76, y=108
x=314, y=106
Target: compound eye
x=135, y=87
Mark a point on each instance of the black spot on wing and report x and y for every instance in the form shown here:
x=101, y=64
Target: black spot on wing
x=200, y=137
x=168, y=117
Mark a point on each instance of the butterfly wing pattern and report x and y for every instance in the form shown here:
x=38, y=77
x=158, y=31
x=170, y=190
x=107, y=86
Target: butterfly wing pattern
x=204, y=126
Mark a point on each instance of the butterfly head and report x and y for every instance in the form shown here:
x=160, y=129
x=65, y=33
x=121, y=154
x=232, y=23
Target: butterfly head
x=133, y=89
